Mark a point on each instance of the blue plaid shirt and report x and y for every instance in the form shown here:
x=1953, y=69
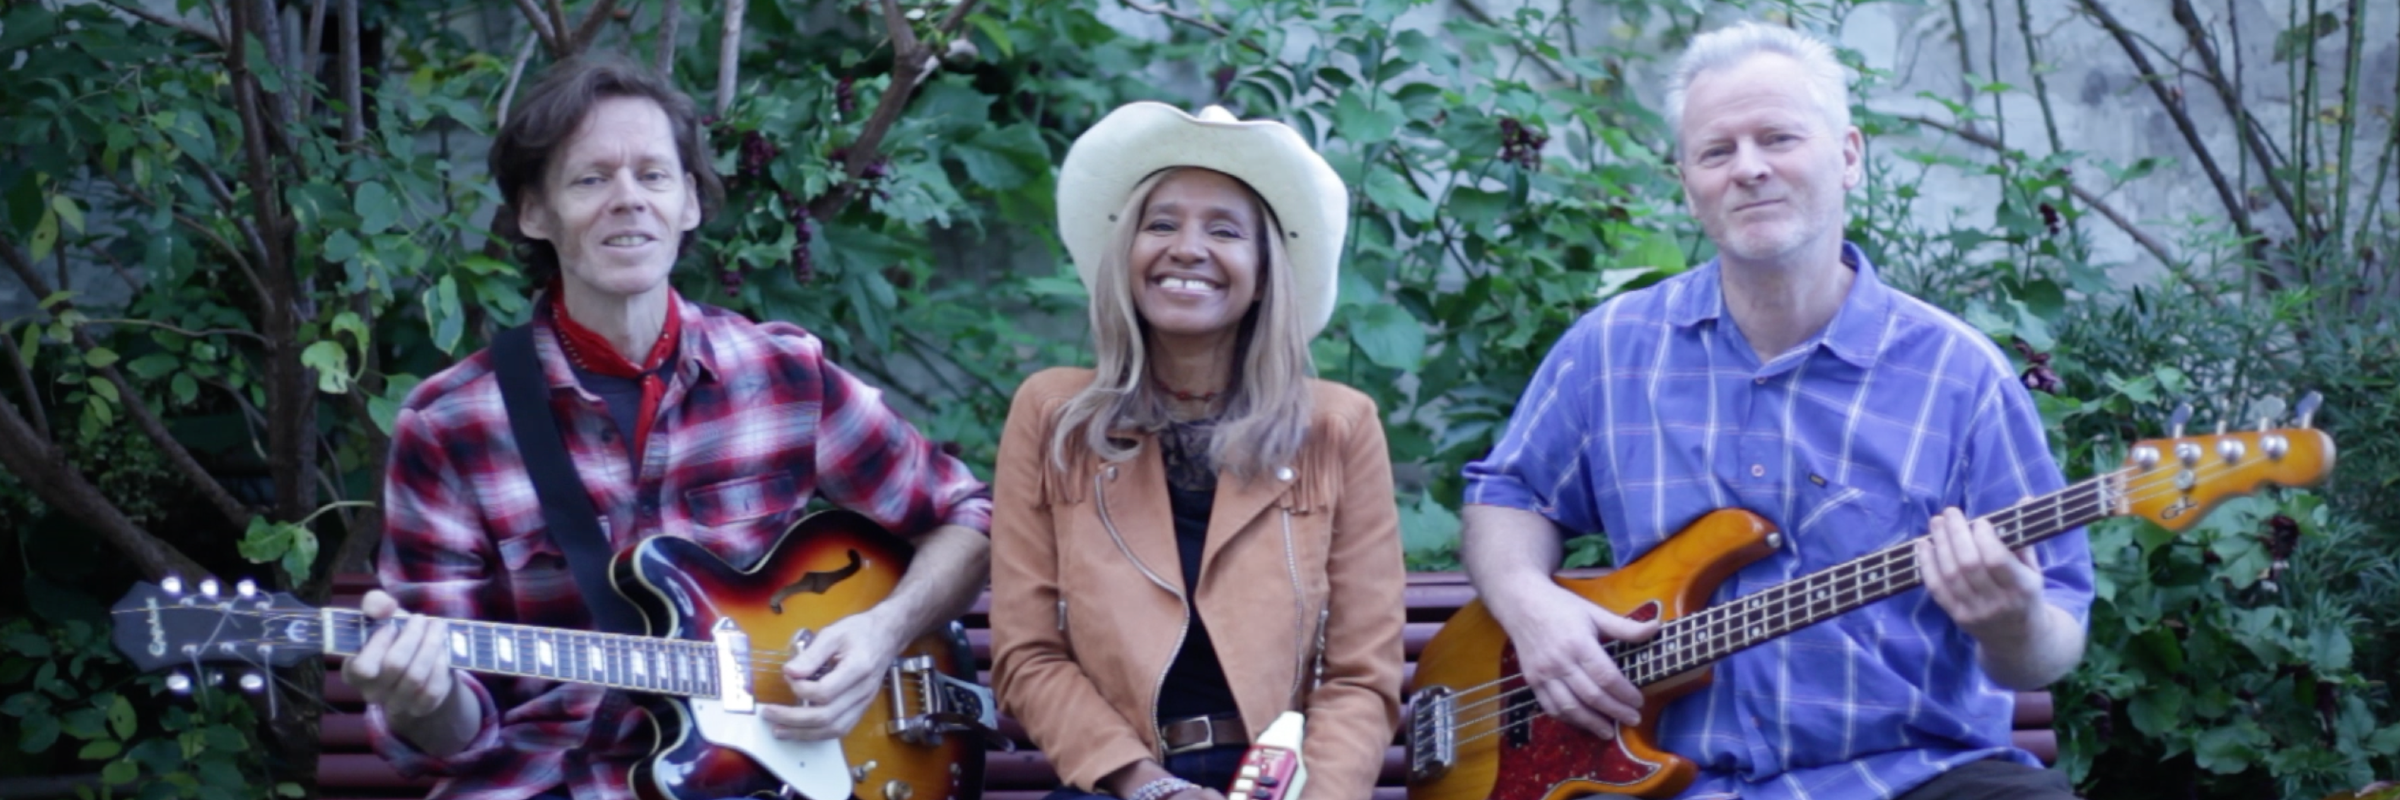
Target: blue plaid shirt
x=1653, y=410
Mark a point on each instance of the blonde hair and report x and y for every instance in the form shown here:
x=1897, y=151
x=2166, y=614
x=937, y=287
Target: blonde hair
x=1267, y=403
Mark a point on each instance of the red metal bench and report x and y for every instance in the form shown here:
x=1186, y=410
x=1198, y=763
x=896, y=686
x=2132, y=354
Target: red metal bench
x=347, y=770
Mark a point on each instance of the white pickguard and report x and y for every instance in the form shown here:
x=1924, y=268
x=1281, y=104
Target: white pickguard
x=816, y=770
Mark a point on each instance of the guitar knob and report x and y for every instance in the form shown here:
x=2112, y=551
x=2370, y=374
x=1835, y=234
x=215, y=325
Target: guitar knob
x=246, y=589
x=179, y=683
x=208, y=588
x=252, y=683
x=172, y=584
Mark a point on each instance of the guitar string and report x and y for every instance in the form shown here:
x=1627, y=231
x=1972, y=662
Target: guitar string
x=1896, y=566
x=2082, y=497
x=485, y=634
x=1638, y=656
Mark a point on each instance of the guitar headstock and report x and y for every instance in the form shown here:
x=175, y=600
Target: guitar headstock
x=2176, y=480
x=162, y=625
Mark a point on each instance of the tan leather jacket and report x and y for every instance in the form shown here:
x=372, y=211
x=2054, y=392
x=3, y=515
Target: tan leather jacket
x=1301, y=585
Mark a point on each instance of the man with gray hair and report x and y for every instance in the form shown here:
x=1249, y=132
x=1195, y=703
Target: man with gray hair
x=1785, y=379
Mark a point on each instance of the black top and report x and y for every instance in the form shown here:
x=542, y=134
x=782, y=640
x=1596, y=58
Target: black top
x=1195, y=684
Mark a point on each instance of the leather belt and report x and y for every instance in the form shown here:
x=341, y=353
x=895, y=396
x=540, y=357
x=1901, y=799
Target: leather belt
x=1200, y=733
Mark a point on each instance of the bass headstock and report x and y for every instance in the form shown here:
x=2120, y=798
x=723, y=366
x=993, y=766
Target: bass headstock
x=2175, y=481
x=164, y=625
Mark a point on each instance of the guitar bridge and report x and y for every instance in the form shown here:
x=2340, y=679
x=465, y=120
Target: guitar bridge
x=1432, y=734
x=926, y=703
x=733, y=667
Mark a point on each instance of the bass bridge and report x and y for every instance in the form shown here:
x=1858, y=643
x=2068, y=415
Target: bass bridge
x=927, y=703
x=1432, y=734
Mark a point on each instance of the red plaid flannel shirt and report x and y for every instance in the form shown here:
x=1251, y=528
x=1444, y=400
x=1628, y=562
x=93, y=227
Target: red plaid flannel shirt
x=754, y=422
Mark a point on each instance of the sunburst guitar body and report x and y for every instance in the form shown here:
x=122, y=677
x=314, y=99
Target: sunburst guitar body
x=717, y=640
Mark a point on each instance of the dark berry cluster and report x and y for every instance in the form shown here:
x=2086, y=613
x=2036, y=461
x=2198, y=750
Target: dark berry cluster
x=1521, y=144
x=844, y=98
x=2038, y=376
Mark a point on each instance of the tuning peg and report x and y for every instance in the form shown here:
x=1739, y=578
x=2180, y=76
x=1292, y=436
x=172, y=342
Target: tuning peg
x=172, y=584
x=2176, y=421
x=252, y=683
x=179, y=683
x=208, y=588
x=245, y=589
x=2307, y=408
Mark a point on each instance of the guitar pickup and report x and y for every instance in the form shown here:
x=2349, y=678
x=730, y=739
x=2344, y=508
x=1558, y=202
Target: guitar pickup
x=733, y=667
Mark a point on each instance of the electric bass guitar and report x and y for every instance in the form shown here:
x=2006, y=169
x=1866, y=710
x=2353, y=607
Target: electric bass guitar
x=718, y=639
x=1475, y=731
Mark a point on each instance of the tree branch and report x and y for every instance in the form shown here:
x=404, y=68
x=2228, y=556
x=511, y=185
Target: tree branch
x=33, y=400
x=290, y=395
x=516, y=72
x=2197, y=35
x=44, y=469
x=143, y=418
x=308, y=60
x=542, y=28
x=729, y=53
x=590, y=29
x=670, y=17
x=354, y=114
x=2232, y=200
x=2157, y=248
x=178, y=23
x=912, y=61
x=1163, y=11
x=241, y=262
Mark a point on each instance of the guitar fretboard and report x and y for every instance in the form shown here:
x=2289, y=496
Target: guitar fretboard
x=1721, y=630
x=641, y=663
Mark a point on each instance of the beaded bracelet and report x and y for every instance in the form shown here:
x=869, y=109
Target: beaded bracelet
x=1161, y=788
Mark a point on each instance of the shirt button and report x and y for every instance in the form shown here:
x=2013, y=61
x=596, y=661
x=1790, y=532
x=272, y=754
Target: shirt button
x=1758, y=470
x=1761, y=380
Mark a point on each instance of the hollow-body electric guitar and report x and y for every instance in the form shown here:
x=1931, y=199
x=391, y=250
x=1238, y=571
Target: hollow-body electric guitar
x=698, y=671
x=1476, y=733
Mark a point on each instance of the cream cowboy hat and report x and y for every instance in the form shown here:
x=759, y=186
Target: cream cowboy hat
x=1141, y=138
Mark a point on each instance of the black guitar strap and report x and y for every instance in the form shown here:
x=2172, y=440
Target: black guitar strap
x=567, y=508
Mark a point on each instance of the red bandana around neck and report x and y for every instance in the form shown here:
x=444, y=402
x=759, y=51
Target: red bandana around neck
x=594, y=353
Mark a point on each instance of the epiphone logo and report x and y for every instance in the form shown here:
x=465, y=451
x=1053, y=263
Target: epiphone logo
x=158, y=630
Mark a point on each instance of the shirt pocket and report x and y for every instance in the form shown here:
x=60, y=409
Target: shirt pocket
x=1839, y=521
x=736, y=518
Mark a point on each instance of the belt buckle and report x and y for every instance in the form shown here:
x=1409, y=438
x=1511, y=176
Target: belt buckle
x=1206, y=739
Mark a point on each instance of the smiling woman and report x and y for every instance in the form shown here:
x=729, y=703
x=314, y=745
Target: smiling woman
x=1197, y=537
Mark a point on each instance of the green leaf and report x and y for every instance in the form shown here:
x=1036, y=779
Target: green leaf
x=186, y=389
x=1001, y=159
x=2329, y=649
x=104, y=388
x=2295, y=42
x=1387, y=189
x=27, y=24
x=339, y=247
x=290, y=789
x=2228, y=749
x=1427, y=526
x=378, y=211
x=332, y=364
x=302, y=555
x=67, y=211
x=265, y=540
x=993, y=29
x=151, y=366
x=121, y=720
x=45, y=236
x=1364, y=116
x=2158, y=710
x=1658, y=251
x=120, y=771
x=37, y=733
x=1479, y=209
x=99, y=750
x=1389, y=336
x=443, y=312
x=99, y=357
